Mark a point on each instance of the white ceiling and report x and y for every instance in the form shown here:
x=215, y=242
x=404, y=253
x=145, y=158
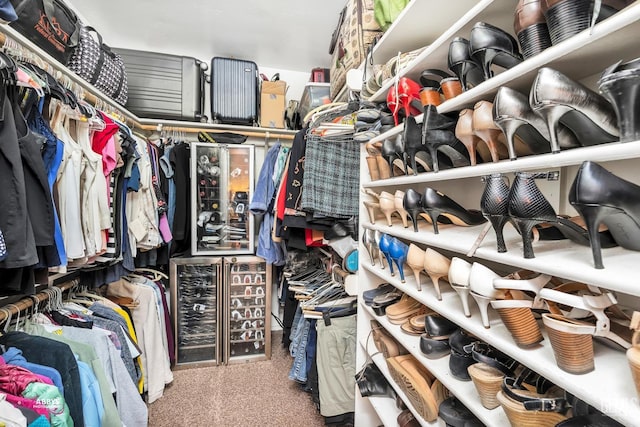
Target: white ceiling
x=282, y=34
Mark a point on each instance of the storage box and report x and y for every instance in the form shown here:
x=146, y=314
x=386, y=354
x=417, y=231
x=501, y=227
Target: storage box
x=313, y=95
x=273, y=104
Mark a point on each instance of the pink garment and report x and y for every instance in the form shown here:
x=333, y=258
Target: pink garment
x=109, y=156
x=23, y=402
x=165, y=230
x=42, y=378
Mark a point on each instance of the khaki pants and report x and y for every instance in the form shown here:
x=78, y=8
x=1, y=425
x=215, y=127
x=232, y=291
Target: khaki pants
x=336, y=360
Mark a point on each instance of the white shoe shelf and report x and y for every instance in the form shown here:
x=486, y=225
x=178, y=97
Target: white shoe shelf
x=609, y=387
x=583, y=57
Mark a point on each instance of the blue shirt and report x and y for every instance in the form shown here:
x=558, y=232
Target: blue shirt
x=92, y=407
x=13, y=356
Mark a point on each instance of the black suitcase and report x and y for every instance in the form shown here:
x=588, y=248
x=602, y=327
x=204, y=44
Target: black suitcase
x=163, y=86
x=234, y=91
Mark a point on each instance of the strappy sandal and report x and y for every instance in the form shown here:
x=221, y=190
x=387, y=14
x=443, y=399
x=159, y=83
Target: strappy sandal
x=544, y=405
x=517, y=312
x=571, y=339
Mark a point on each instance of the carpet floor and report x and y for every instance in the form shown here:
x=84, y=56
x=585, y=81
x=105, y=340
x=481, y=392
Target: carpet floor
x=247, y=394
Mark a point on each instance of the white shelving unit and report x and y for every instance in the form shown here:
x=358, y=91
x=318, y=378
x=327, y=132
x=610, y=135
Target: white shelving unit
x=609, y=387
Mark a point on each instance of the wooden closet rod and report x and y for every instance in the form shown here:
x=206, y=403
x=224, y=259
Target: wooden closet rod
x=132, y=120
x=28, y=302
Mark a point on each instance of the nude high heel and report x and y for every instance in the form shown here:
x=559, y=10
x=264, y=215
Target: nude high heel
x=486, y=129
x=481, y=285
x=415, y=260
x=459, y=272
x=398, y=202
x=387, y=206
x=371, y=208
x=437, y=266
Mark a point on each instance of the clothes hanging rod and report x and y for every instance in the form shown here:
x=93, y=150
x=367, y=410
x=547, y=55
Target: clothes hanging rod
x=28, y=302
x=94, y=97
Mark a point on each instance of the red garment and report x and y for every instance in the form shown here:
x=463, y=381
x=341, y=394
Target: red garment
x=101, y=138
x=14, y=379
x=281, y=197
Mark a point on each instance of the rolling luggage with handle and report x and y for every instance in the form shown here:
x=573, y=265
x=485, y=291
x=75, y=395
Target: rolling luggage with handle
x=163, y=86
x=234, y=91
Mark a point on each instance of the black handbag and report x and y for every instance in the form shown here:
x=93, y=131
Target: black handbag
x=50, y=24
x=96, y=63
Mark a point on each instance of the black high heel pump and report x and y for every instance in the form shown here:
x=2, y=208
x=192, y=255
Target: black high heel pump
x=620, y=84
x=414, y=151
x=528, y=207
x=392, y=150
x=412, y=203
x=490, y=45
x=560, y=100
x=603, y=198
x=436, y=204
x=459, y=61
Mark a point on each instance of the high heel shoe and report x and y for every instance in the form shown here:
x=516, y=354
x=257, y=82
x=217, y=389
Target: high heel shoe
x=485, y=128
x=435, y=204
x=481, y=286
x=604, y=198
x=412, y=136
x=415, y=261
x=459, y=271
x=371, y=208
x=398, y=253
x=404, y=95
x=531, y=28
x=620, y=83
x=387, y=206
x=436, y=266
x=464, y=66
x=378, y=166
x=464, y=132
x=412, y=203
x=369, y=243
x=491, y=45
x=567, y=18
x=384, y=245
x=393, y=152
x=528, y=207
x=514, y=116
x=398, y=199
x=517, y=312
x=494, y=205
x=439, y=141
x=558, y=99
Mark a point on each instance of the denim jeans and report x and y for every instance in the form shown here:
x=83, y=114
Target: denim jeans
x=299, y=339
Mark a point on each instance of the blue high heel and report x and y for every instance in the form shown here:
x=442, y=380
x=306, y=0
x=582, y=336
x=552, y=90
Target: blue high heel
x=385, y=247
x=398, y=251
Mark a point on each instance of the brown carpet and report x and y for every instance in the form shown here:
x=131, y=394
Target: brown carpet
x=247, y=394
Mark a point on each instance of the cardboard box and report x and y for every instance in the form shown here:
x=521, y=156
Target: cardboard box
x=273, y=104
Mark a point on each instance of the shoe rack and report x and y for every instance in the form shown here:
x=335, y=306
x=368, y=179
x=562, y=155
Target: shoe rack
x=610, y=387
